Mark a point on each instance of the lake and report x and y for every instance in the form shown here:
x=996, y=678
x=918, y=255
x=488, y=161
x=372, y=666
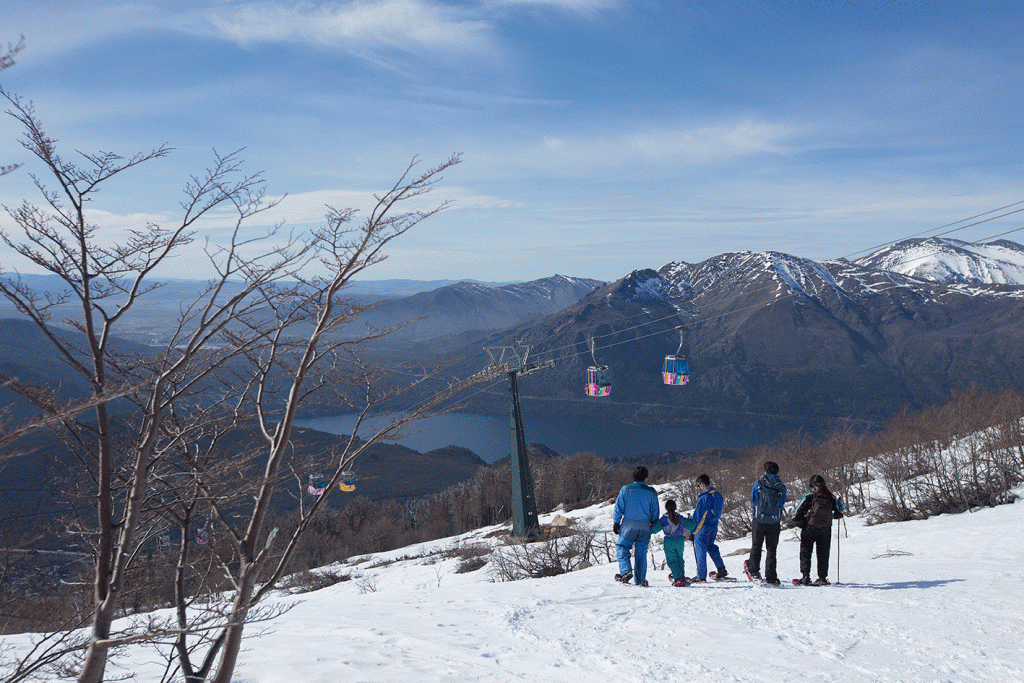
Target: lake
x=488, y=435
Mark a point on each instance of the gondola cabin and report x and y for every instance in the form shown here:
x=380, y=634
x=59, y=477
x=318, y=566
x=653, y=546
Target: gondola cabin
x=599, y=380
x=676, y=370
x=317, y=485
x=348, y=481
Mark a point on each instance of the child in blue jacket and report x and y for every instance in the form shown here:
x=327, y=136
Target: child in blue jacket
x=675, y=529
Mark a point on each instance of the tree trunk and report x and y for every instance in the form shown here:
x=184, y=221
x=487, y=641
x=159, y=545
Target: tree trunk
x=234, y=631
x=95, y=661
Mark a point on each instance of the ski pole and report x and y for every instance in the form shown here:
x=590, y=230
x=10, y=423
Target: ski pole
x=837, y=552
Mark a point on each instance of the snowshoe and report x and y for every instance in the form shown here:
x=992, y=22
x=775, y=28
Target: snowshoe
x=713, y=576
x=624, y=578
x=822, y=582
x=805, y=581
x=756, y=578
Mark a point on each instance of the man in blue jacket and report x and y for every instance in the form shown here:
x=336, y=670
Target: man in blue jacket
x=767, y=496
x=707, y=514
x=636, y=511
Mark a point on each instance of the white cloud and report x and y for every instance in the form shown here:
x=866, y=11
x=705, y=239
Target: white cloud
x=684, y=146
x=305, y=209
x=576, y=6
x=110, y=224
x=711, y=143
x=362, y=24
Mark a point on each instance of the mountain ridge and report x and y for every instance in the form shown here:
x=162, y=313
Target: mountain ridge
x=468, y=305
x=771, y=338
x=952, y=261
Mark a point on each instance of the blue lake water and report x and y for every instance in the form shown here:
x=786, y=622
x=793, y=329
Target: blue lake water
x=489, y=435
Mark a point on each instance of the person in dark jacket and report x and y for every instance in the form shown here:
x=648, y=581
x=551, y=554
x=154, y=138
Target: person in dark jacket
x=706, y=515
x=814, y=515
x=767, y=496
x=636, y=515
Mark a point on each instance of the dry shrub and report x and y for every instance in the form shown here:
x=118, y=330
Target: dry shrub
x=307, y=581
x=955, y=457
x=555, y=554
x=471, y=564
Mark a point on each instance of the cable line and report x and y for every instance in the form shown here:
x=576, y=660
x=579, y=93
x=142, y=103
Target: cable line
x=923, y=232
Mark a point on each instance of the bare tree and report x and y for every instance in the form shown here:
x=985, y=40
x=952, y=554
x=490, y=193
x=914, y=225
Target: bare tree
x=6, y=61
x=105, y=282
x=286, y=372
x=251, y=349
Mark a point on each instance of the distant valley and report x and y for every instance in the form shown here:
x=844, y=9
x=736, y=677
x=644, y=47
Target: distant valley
x=774, y=342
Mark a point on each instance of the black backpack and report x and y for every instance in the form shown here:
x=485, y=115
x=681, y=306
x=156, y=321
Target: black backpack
x=819, y=516
x=769, y=500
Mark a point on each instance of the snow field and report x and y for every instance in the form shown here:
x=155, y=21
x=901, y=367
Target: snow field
x=933, y=600
x=948, y=611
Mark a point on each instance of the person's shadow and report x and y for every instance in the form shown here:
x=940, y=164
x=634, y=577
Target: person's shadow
x=900, y=585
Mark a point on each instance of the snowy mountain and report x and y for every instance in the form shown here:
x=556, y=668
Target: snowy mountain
x=948, y=261
x=773, y=340
x=916, y=602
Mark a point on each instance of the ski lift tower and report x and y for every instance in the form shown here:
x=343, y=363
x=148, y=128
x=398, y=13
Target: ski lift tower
x=512, y=361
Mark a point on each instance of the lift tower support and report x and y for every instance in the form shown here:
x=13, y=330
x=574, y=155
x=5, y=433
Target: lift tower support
x=512, y=361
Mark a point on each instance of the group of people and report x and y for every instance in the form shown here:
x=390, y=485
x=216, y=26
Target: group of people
x=637, y=516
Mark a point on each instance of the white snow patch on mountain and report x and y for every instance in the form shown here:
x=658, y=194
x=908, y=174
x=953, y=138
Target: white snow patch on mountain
x=953, y=261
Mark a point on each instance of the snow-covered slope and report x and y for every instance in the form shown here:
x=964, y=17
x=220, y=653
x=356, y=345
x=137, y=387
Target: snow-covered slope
x=934, y=600
x=952, y=261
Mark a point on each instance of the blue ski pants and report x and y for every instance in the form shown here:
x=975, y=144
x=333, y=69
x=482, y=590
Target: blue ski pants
x=704, y=545
x=633, y=538
x=674, y=548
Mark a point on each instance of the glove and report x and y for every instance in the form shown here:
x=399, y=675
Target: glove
x=837, y=515
x=616, y=527
x=687, y=535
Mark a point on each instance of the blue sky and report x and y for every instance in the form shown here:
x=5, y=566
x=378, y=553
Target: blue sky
x=598, y=136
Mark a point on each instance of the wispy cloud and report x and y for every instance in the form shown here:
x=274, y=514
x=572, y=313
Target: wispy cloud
x=574, y=6
x=361, y=24
x=310, y=208
x=685, y=146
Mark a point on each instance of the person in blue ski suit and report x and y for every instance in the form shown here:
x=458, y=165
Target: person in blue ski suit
x=767, y=498
x=636, y=515
x=676, y=528
x=707, y=514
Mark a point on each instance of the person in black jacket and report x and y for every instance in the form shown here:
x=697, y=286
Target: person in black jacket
x=767, y=496
x=814, y=514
